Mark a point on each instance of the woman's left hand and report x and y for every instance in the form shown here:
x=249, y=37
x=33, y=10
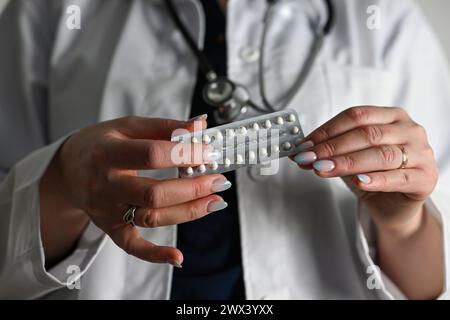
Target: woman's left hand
x=368, y=146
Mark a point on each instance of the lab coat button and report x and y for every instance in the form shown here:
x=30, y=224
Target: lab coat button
x=249, y=54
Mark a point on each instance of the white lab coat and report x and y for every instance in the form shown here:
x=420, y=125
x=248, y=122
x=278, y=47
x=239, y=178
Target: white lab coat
x=301, y=236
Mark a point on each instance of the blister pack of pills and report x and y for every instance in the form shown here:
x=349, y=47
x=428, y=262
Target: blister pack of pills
x=253, y=141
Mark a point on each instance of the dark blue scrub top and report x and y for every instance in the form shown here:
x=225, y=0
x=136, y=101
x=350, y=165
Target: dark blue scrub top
x=211, y=246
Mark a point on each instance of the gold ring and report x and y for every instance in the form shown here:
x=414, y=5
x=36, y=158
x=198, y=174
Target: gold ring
x=404, y=157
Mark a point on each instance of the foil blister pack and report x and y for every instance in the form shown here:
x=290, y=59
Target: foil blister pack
x=253, y=141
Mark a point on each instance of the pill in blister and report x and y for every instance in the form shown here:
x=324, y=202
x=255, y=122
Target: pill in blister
x=229, y=133
x=251, y=156
x=287, y=146
x=295, y=130
x=214, y=165
x=242, y=130
x=275, y=149
x=206, y=139
x=279, y=120
x=263, y=152
x=218, y=136
x=291, y=117
x=189, y=171
x=280, y=138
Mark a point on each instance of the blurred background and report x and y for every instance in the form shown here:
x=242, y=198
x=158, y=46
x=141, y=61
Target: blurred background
x=436, y=10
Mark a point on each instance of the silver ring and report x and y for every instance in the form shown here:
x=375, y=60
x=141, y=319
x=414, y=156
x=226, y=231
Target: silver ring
x=128, y=217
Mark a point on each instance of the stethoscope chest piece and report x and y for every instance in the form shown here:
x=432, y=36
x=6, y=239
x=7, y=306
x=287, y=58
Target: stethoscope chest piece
x=229, y=99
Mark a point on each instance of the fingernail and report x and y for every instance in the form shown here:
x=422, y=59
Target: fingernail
x=220, y=184
x=216, y=206
x=305, y=158
x=324, y=165
x=175, y=264
x=200, y=117
x=364, y=178
x=212, y=156
x=303, y=146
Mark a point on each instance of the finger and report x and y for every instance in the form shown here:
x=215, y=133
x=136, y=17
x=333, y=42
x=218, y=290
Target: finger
x=132, y=242
x=381, y=158
x=158, y=154
x=145, y=192
x=411, y=181
x=353, y=118
x=156, y=128
x=193, y=210
x=363, y=138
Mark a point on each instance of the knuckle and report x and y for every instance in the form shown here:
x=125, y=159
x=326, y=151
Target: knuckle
x=198, y=189
x=357, y=114
x=387, y=154
x=152, y=154
x=372, y=134
x=153, y=196
x=129, y=121
x=321, y=134
x=405, y=178
x=348, y=163
x=400, y=111
x=152, y=218
x=193, y=212
x=328, y=149
x=419, y=132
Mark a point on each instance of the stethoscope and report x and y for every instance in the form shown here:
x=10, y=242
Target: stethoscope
x=231, y=99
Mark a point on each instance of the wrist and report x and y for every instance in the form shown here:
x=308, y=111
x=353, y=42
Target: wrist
x=404, y=225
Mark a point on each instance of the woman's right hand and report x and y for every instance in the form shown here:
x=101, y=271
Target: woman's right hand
x=96, y=169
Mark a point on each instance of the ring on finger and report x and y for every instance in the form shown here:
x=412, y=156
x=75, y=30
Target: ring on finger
x=128, y=217
x=404, y=157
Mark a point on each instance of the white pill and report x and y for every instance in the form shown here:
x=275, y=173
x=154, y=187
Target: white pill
x=242, y=130
x=201, y=168
x=295, y=130
x=287, y=146
x=275, y=149
x=263, y=152
x=213, y=165
x=206, y=139
x=189, y=171
x=255, y=126
x=239, y=159
x=227, y=162
x=230, y=133
x=291, y=117
x=194, y=140
x=251, y=156
x=218, y=136
x=279, y=120
x=267, y=124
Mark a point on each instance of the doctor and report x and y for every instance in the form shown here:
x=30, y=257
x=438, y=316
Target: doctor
x=86, y=118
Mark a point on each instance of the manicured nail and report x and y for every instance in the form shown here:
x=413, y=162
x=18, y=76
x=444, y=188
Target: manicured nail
x=324, y=165
x=305, y=158
x=175, y=264
x=200, y=117
x=365, y=179
x=303, y=146
x=220, y=184
x=216, y=206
